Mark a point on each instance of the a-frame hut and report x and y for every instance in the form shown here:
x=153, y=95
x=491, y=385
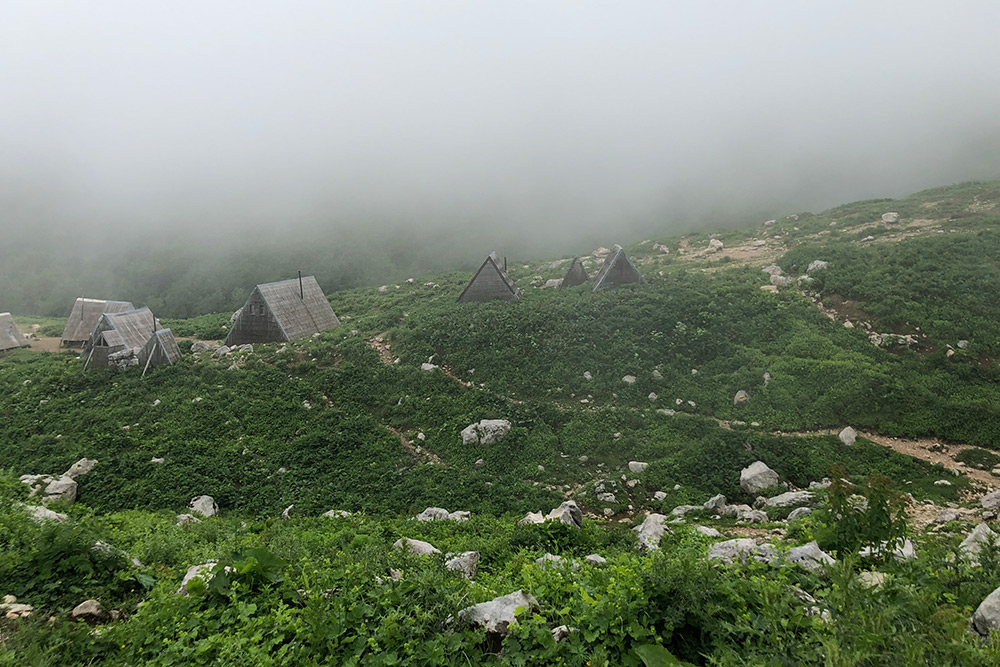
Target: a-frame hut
x=617, y=270
x=160, y=349
x=84, y=317
x=577, y=275
x=490, y=283
x=118, y=338
x=11, y=337
x=282, y=311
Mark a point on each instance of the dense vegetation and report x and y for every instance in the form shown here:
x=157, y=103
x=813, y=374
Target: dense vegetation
x=327, y=423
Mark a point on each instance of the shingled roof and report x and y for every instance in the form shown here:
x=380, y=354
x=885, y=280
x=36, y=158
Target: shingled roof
x=491, y=282
x=84, y=317
x=124, y=331
x=161, y=348
x=282, y=311
x=617, y=270
x=11, y=337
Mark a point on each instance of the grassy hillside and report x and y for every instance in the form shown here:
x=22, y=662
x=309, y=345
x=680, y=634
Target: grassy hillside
x=348, y=420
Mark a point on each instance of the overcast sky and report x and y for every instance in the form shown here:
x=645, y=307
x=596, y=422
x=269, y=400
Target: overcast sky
x=541, y=115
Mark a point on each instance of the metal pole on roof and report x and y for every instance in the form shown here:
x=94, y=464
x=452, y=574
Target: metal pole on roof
x=301, y=293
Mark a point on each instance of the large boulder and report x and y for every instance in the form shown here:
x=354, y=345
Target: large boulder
x=987, y=616
x=651, y=530
x=41, y=514
x=848, y=436
x=809, y=556
x=498, y=614
x=791, y=499
x=637, y=466
x=416, y=547
x=798, y=513
x=902, y=551
x=890, y=217
x=716, y=504
x=568, y=513
x=756, y=477
x=80, y=468
x=751, y=516
x=204, y=505
x=466, y=562
x=741, y=398
x=817, y=265
x=485, y=432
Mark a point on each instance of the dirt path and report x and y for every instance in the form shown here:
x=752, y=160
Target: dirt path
x=46, y=344
x=379, y=344
x=416, y=451
x=919, y=448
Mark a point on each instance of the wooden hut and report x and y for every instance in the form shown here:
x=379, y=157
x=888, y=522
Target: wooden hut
x=490, y=283
x=577, y=275
x=132, y=338
x=84, y=317
x=617, y=270
x=11, y=337
x=282, y=311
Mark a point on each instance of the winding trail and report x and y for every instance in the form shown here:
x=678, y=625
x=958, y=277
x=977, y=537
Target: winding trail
x=414, y=450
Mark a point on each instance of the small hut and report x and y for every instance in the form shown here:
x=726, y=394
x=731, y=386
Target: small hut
x=161, y=349
x=121, y=340
x=282, y=311
x=84, y=317
x=617, y=270
x=577, y=275
x=490, y=283
x=11, y=337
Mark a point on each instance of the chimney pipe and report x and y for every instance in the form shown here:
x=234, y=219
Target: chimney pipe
x=301, y=293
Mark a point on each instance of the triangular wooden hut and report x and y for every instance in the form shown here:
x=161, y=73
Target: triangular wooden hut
x=282, y=311
x=490, y=283
x=11, y=337
x=121, y=340
x=577, y=275
x=84, y=317
x=161, y=349
x=617, y=270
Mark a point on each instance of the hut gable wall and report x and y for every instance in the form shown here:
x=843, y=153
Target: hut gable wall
x=277, y=312
x=577, y=275
x=617, y=270
x=490, y=283
x=11, y=337
x=160, y=349
x=256, y=323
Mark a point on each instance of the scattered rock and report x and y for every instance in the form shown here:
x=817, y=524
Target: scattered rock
x=872, y=579
x=819, y=486
x=973, y=543
x=987, y=615
x=561, y=632
x=415, y=547
x=741, y=549
x=595, y=560
x=287, y=514
x=441, y=514
x=946, y=516
x=568, y=513
x=903, y=551
x=199, y=346
x=466, y=562
x=991, y=501
x=337, y=514
x=157, y=460
x=479, y=463
x=10, y=608
x=88, y=610
x=799, y=512
x=741, y=398
x=201, y=571
x=50, y=488
x=780, y=281
x=637, y=466
x=186, y=519
x=660, y=495
x=757, y=476
x=629, y=379
x=716, y=503
x=848, y=436
x=651, y=530
x=587, y=376
x=498, y=614
x=809, y=556
x=791, y=499
x=486, y=432
x=681, y=510
x=942, y=482
x=751, y=516
x=817, y=265
x=963, y=344
x=773, y=270
x=709, y=532
x=890, y=217
x=204, y=505
x=714, y=246
x=428, y=367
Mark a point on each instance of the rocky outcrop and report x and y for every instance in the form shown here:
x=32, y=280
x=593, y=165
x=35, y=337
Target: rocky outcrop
x=637, y=466
x=799, y=512
x=50, y=488
x=80, y=468
x=756, y=477
x=817, y=265
x=11, y=608
x=848, y=436
x=980, y=536
x=568, y=513
x=485, y=432
x=88, y=610
x=741, y=549
x=991, y=501
x=809, y=556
